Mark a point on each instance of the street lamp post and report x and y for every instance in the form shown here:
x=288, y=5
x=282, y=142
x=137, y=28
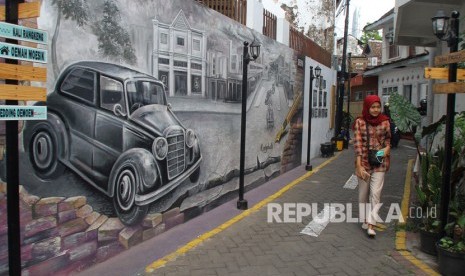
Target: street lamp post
x=317, y=75
x=348, y=86
x=246, y=58
x=340, y=94
x=450, y=34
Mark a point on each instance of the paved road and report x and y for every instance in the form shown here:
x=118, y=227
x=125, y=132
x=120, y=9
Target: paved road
x=252, y=246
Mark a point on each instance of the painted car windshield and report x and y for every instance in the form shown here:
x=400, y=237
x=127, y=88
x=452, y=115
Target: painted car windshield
x=141, y=93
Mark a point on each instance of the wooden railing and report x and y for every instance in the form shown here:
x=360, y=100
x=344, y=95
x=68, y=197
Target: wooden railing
x=234, y=9
x=269, y=24
x=303, y=45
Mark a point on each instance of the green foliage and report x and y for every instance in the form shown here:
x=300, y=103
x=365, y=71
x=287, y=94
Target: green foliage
x=113, y=40
x=455, y=230
x=76, y=10
x=370, y=35
x=429, y=191
x=404, y=114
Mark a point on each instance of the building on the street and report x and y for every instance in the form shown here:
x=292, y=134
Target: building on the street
x=179, y=56
x=417, y=31
x=402, y=67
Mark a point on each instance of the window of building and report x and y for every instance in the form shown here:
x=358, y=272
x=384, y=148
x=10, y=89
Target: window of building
x=358, y=95
x=196, y=45
x=389, y=90
x=163, y=38
x=80, y=83
x=180, y=41
x=371, y=92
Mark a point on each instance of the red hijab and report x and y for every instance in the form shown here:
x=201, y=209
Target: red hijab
x=367, y=103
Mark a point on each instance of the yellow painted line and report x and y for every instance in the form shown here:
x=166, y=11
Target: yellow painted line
x=194, y=243
x=401, y=234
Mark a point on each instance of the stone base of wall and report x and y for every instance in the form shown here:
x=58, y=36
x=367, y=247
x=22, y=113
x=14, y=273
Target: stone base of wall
x=63, y=235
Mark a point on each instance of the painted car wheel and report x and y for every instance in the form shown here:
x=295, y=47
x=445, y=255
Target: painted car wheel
x=44, y=151
x=126, y=182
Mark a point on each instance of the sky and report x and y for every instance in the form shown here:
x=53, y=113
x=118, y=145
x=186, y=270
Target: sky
x=369, y=11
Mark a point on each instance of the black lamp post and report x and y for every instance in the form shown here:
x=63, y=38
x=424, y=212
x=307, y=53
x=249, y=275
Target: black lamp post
x=449, y=33
x=246, y=58
x=317, y=75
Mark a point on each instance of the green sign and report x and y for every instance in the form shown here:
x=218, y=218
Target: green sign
x=21, y=112
x=12, y=31
x=19, y=52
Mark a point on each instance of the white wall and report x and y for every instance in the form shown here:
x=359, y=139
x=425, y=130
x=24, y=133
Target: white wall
x=321, y=132
x=413, y=76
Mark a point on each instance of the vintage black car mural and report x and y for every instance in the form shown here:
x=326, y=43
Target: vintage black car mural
x=113, y=127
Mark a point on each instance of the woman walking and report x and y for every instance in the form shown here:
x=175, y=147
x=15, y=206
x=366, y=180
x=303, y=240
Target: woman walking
x=372, y=135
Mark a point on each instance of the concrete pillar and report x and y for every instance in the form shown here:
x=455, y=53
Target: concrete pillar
x=255, y=15
x=282, y=31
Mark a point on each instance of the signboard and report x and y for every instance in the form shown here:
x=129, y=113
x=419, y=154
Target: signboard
x=442, y=73
x=21, y=112
x=25, y=10
x=19, y=52
x=449, y=88
x=450, y=58
x=12, y=31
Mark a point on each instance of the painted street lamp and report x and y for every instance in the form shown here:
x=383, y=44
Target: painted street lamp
x=317, y=75
x=448, y=31
x=248, y=56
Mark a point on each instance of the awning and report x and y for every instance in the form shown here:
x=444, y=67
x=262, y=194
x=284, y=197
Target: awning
x=412, y=20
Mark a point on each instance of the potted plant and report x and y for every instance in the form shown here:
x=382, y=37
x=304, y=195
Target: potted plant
x=428, y=192
x=451, y=248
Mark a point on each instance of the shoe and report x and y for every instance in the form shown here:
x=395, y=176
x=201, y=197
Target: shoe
x=371, y=233
x=364, y=226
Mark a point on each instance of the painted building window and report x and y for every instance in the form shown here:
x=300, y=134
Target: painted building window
x=359, y=96
x=164, y=61
x=180, y=83
x=233, y=62
x=180, y=41
x=196, y=84
x=179, y=63
x=315, y=98
x=111, y=93
x=196, y=66
x=80, y=84
x=163, y=76
x=196, y=45
x=163, y=38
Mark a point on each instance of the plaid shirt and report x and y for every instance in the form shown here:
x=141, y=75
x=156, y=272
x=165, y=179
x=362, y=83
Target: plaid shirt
x=380, y=137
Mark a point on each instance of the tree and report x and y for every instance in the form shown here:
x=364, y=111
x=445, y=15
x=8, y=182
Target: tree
x=113, y=40
x=76, y=10
x=370, y=35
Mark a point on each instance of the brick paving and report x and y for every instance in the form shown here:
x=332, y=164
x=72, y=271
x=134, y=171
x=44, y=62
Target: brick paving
x=252, y=246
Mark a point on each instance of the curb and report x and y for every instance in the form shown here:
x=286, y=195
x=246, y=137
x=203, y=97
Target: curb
x=401, y=247
x=194, y=243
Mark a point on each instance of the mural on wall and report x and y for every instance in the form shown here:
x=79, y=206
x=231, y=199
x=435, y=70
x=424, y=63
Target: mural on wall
x=144, y=106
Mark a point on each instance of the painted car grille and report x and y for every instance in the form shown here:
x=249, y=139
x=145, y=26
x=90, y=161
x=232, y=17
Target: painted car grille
x=175, y=159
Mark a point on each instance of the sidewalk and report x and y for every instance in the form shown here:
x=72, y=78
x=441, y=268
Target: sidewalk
x=227, y=241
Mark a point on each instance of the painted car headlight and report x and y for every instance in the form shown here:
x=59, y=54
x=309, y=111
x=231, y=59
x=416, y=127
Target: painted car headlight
x=190, y=138
x=160, y=148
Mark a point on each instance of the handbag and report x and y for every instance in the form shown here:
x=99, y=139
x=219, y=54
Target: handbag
x=373, y=159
